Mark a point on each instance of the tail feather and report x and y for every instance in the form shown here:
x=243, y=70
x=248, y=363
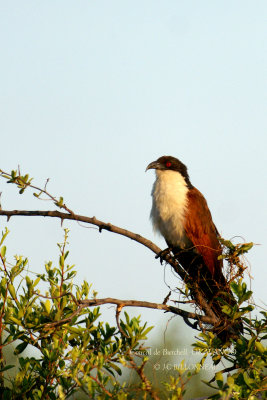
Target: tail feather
x=214, y=288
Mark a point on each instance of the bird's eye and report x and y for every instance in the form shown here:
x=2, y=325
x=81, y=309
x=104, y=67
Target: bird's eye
x=168, y=164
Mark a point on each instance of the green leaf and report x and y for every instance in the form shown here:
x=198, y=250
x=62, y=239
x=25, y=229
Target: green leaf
x=21, y=313
x=227, y=243
x=230, y=381
x=248, y=380
x=12, y=291
x=60, y=202
x=148, y=330
x=20, y=348
x=246, y=296
x=260, y=347
x=5, y=176
x=234, y=286
x=219, y=379
x=28, y=281
x=247, y=309
x=115, y=367
x=61, y=364
x=6, y=368
x=61, y=261
x=227, y=310
x=245, y=247
x=3, y=251
x=47, y=306
x=17, y=321
x=4, y=235
x=200, y=345
x=36, y=281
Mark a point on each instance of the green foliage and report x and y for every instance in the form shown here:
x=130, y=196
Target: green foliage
x=22, y=181
x=76, y=351
x=248, y=358
x=83, y=353
x=177, y=385
x=246, y=355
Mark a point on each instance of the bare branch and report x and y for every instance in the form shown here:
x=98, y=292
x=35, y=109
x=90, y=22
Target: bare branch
x=131, y=235
x=90, y=220
x=132, y=303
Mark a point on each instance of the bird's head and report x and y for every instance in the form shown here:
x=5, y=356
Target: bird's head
x=169, y=163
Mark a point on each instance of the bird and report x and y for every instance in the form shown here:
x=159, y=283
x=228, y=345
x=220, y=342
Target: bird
x=180, y=213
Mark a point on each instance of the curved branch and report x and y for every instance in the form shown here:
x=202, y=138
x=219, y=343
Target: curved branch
x=89, y=220
x=146, y=304
x=124, y=232
x=132, y=303
x=102, y=226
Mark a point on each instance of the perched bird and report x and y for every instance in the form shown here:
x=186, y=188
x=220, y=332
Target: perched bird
x=181, y=215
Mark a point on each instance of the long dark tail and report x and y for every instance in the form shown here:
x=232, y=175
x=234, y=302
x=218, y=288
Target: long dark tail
x=214, y=288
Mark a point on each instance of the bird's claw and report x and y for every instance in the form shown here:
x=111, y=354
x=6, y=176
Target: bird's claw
x=163, y=253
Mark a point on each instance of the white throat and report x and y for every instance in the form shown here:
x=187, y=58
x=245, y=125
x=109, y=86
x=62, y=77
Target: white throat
x=169, y=206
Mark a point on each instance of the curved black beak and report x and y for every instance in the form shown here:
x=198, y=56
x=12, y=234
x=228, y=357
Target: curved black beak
x=153, y=165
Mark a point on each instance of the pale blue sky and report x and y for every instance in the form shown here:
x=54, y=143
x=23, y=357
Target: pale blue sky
x=92, y=91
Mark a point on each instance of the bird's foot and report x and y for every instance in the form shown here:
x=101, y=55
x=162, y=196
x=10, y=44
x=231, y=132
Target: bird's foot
x=163, y=253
